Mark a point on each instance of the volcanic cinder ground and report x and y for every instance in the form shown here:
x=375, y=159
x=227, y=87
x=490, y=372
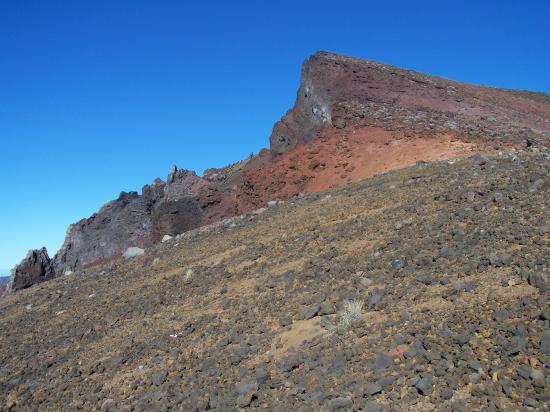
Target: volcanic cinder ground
x=449, y=259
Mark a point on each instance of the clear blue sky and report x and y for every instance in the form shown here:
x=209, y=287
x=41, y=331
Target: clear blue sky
x=102, y=96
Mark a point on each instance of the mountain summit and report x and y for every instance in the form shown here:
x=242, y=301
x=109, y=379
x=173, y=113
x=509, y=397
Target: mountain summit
x=352, y=119
x=343, y=91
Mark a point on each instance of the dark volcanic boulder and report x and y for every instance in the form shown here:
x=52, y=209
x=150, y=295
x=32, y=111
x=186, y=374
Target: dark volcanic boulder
x=179, y=209
x=35, y=268
x=175, y=217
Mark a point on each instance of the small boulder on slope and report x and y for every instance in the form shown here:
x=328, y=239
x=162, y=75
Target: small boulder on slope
x=132, y=252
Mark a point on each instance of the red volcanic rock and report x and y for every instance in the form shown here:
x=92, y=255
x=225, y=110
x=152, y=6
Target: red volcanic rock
x=342, y=157
x=352, y=119
x=399, y=351
x=348, y=92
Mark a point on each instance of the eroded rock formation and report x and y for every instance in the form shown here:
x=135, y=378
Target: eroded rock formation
x=352, y=119
x=36, y=267
x=133, y=220
x=344, y=91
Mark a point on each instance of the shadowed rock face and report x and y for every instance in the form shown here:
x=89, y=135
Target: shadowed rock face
x=311, y=111
x=174, y=217
x=132, y=220
x=119, y=224
x=178, y=210
x=352, y=119
x=35, y=268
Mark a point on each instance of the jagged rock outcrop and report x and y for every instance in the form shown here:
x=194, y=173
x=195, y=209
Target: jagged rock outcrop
x=133, y=220
x=119, y=224
x=36, y=267
x=179, y=209
x=352, y=119
x=311, y=111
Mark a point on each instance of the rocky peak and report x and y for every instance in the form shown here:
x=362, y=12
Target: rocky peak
x=36, y=267
x=342, y=91
x=181, y=183
x=311, y=111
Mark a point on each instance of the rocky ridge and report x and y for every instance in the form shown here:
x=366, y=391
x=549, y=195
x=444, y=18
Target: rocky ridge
x=352, y=119
x=344, y=92
x=425, y=288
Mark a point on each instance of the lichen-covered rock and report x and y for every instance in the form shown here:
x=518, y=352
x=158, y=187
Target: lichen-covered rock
x=36, y=267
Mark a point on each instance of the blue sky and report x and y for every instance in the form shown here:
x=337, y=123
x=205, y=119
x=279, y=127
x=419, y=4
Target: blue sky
x=102, y=96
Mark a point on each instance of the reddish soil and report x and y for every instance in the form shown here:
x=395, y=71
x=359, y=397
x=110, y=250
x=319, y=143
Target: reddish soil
x=338, y=157
x=101, y=262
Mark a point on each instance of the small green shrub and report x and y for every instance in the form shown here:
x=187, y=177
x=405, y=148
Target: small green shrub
x=189, y=274
x=351, y=312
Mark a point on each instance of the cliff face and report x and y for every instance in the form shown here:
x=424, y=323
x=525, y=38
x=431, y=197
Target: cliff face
x=119, y=224
x=133, y=220
x=356, y=118
x=184, y=202
x=352, y=119
x=343, y=91
x=312, y=110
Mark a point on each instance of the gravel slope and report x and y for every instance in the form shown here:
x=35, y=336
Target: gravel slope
x=448, y=259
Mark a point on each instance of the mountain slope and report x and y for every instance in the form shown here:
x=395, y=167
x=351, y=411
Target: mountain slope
x=449, y=260
x=352, y=119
